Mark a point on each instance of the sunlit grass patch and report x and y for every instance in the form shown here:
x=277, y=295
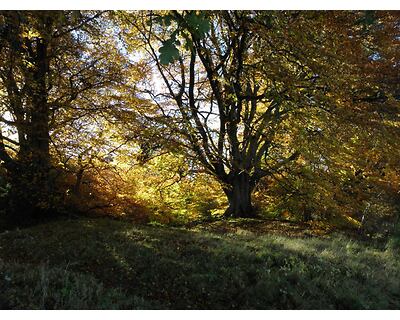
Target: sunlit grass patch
x=176, y=268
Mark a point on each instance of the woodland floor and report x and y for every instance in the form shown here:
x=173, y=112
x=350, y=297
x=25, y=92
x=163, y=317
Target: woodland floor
x=102, y=263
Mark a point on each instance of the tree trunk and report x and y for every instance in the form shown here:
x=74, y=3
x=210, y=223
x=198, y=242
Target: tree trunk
x=39, y=119
x=30, y=183
x=238, y=192
x=78, y=182
x=38, y=132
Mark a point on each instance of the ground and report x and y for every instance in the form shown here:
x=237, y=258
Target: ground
x=102, y=263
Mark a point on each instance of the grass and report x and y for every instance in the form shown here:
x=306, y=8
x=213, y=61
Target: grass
x=108, y=264
x=27, y=286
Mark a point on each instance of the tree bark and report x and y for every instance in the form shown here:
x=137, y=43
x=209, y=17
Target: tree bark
x=30, y=194
x=77, y=186
x=238, y=192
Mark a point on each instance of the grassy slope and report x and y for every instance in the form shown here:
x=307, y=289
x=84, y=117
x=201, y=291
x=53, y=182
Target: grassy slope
x=103, y=263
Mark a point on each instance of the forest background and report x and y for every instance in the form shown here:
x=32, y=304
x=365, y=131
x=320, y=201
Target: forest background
x=175, y=116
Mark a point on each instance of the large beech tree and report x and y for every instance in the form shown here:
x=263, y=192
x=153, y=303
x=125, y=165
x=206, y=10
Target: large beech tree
x=237, y=79
x=49, y=61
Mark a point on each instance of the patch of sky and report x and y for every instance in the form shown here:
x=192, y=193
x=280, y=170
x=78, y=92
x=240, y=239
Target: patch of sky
x=375, y=56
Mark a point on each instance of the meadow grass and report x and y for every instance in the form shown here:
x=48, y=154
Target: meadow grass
x=108, y=264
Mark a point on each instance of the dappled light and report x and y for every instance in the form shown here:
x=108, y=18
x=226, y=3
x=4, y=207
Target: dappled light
x=176, y=268
x=186, y=159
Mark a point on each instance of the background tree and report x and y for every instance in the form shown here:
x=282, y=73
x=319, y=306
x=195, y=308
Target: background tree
x=344, y=169
x=50, y=61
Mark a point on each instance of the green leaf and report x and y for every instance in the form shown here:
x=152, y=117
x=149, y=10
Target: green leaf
x=198, y=23
x=167, y=20
x=168, y=52
x=368, y=18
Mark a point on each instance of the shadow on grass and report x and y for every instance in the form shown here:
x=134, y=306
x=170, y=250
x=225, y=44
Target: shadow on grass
x=186, y=269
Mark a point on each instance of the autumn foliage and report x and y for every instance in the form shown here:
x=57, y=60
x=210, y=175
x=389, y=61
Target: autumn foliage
x=175, y=116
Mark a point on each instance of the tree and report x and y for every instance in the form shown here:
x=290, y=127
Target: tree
x=238, y=79
x=348, y=155
x=50, y=60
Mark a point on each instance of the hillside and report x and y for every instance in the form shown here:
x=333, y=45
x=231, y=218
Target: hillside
x=103, y=263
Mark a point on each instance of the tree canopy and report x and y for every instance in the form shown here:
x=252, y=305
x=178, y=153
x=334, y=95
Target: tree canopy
x=261, y=111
